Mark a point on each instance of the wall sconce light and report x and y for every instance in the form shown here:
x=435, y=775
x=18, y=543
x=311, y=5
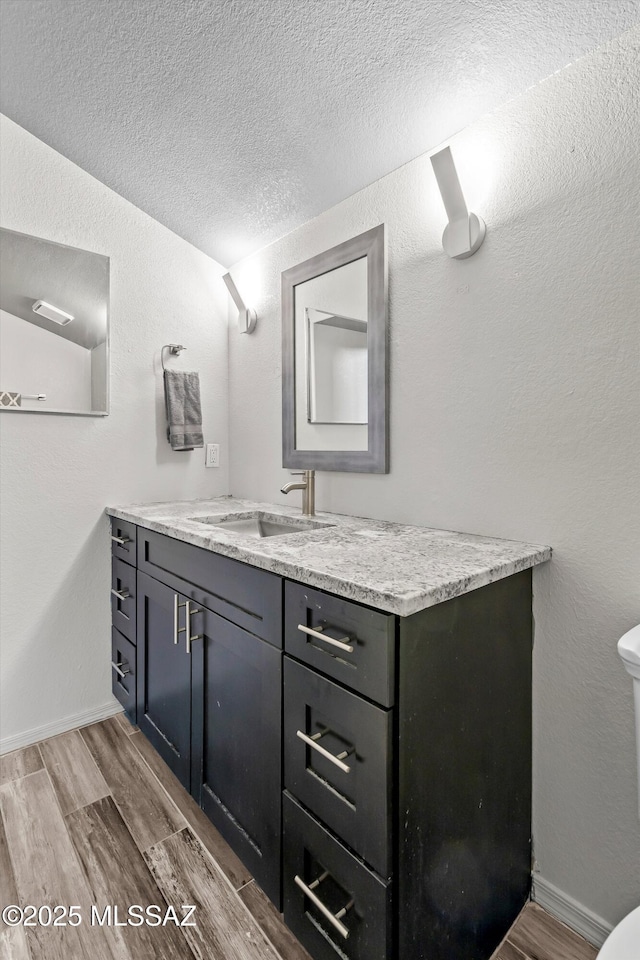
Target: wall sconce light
x=464, y=233
x=246, y=318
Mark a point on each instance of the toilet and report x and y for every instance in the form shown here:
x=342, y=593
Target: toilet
x=623, y=943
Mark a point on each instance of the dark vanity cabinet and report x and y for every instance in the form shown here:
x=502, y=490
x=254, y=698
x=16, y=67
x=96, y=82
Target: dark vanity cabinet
x=407, y=774
x=207, y=662
x=372, y=771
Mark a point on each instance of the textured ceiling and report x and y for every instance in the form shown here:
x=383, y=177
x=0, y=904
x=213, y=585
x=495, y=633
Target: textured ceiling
x=233, y=122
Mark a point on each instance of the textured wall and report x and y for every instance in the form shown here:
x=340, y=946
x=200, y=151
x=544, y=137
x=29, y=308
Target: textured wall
x=514, y=413
x=59, y=473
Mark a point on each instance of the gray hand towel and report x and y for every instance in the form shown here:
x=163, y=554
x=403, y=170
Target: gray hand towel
x=184, y=414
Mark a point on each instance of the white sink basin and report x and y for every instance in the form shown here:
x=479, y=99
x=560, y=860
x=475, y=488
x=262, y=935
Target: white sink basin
x=257, y=524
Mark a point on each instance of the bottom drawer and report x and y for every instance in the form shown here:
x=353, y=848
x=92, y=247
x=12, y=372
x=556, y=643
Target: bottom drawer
x=123, y=672
x=334, y=904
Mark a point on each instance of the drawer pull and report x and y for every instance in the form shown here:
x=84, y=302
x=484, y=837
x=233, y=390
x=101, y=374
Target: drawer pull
x=121, y=594
x=198, y=636
x=121, y=540
x=176, y=614
x=333, y=918
x=117, y=667
x=319, y=635
x=313, y=742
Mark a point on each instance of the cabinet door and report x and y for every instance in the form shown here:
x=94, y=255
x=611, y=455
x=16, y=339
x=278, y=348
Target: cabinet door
x=164, y=676
x=237, y=741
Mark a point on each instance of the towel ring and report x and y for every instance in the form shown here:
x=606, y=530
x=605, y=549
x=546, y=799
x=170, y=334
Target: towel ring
x=175, y=349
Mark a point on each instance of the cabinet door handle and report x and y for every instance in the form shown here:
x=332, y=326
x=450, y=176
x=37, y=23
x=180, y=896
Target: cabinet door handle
x=176, y=614
x=121, y=594
x=198, y=636
x=341, y=644
x=333, y=918
x=121, y=540
x=313, y=742
x=117, y=666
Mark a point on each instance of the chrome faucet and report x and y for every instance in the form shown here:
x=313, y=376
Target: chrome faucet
x=308, y=487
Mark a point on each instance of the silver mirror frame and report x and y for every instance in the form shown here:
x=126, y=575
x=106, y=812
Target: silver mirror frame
x=375, y=459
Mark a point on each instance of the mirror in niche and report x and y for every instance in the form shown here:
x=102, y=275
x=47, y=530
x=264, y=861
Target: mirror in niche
x=54, y=327
x=335, y=381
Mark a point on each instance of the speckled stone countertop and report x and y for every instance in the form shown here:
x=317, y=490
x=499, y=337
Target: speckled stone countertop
x=391, y=566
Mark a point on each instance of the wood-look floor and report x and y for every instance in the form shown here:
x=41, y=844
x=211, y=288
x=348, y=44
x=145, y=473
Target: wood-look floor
x=95, y=817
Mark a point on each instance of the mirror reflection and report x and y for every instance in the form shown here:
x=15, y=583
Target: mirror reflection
x=54, y=304
x=336, y=368
x=331, y=359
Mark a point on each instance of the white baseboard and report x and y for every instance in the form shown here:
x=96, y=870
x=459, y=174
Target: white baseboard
x=590, y=926
x=60, y=726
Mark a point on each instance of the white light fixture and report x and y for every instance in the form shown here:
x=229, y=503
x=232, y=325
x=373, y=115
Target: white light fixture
x=464, y=233
x=246, y=318
x=44, y=309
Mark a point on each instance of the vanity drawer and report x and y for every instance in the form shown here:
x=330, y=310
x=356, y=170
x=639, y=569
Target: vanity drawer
x=123, y=540
x=246, y=596
x=348, y=642
x=123, y=672
x=123, y=598
x=350, y=793
x=312, y=854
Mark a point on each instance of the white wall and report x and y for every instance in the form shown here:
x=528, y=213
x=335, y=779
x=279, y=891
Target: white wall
x=515, y=412
x=33, y=360
x=59, y=473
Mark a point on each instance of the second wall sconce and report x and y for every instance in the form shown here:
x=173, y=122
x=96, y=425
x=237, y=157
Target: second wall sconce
x=246, y=318
x=464, y=233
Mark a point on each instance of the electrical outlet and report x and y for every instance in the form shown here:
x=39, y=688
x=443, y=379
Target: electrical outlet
x=212, y=458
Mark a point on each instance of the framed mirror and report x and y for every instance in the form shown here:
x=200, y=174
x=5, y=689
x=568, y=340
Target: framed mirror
x=54, y=327
x=334, y=358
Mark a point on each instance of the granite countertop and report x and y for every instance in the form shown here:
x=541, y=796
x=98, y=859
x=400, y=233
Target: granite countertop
x=391, y=566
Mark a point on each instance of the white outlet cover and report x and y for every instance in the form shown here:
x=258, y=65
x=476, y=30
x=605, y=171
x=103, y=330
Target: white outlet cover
x=212, y=456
